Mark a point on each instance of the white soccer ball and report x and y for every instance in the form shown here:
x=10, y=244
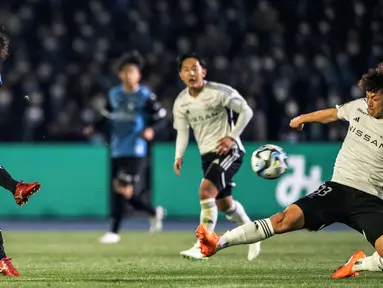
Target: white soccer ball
x=269, y=161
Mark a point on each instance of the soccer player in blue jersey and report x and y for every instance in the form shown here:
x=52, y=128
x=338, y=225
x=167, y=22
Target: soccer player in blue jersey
x=21, y=191
x=135, y=116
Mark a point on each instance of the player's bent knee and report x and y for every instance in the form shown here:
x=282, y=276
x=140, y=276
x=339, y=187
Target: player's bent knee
x=379, y=246
x=207, y=190
x=123, y=188
x=289, y=220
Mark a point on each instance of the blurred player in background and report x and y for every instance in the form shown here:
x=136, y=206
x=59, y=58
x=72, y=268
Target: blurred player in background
x=21, y=191
x=135, y=117
x=353, y=196
x=207, y=107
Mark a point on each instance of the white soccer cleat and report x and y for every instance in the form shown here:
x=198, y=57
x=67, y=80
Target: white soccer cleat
x=156, y=221
x=254, y=250
x=193, y=253
x=110, y=238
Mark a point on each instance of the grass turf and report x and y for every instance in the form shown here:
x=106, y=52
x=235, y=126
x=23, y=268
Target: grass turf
x=75, y=259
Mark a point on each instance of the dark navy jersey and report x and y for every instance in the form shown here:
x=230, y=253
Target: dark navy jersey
x=130, y=114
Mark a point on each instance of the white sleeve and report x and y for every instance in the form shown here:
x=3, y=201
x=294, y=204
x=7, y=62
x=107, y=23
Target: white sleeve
x=344, y=110
x=181, y=124
x=182, y=141
x=238, y=104
x=180, y=120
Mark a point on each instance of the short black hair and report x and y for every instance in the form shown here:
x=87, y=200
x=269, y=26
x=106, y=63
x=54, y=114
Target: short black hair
x=133, y=58
x=194, y=55
x=372, y=81
x=4, y=44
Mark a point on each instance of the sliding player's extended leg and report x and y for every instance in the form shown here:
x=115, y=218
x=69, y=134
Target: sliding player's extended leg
x=252, y=232
x=312, y=212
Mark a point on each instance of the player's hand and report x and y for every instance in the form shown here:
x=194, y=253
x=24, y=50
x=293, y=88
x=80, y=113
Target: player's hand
x=148, y=134
x=297, y=123
x=88, y=131
x=224, y=145
x=178, y=166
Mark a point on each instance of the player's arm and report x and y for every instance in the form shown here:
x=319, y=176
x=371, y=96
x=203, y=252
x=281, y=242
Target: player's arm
x=101, y=123
x=234, y=101
x=181, y=125
x=157, y=115
x=322, y=116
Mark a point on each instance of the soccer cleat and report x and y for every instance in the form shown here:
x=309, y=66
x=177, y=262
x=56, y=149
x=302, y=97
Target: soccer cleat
x=24, y=191
x=193, y=253
x=110, y=238
x=7, y=268
x=156, y=221
x=345, y=271
x=208, y=241
x=254, y=250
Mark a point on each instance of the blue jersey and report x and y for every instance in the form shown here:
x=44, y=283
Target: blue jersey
x=130, y=114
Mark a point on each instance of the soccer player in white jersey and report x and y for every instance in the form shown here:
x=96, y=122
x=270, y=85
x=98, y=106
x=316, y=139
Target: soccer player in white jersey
x=205, y=107
x=353, y=196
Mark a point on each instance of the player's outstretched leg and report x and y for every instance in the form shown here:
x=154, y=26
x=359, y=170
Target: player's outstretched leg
x=208, y=216
x=6, y=266
x=236, y=213
x=289, y=220
x=21, y=191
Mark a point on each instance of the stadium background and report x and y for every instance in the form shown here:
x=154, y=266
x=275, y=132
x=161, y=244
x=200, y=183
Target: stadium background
x=283, y=61
x=285, y=57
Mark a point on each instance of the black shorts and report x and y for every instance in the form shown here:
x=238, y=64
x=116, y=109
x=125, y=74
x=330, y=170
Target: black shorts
x=220, y=170
x=334, y=202
x=129, y=171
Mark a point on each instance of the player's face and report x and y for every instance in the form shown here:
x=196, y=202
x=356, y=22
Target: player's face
x=130, y=75
x=192, y=73
x=375, y=103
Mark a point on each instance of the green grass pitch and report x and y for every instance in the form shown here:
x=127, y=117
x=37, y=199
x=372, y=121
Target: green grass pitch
x=75, y=259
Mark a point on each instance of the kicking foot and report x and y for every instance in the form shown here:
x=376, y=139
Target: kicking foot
x=24, y=191
x=208, y=241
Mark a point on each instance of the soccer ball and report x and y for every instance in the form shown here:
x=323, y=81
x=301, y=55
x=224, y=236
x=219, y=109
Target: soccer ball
x=269, y=161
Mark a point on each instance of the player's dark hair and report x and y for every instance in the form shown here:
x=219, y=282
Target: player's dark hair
x=133, y=58
x=194, y=55
x=372, y=81
x=4, y=44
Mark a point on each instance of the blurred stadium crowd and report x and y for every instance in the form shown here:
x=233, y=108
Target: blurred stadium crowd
x=286, y=57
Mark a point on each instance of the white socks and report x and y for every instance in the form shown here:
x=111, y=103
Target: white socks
x=209, y=213
x=248, y=233
x=371, y=263
x=237, y=214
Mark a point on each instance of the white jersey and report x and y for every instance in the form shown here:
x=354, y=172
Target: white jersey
x=207, y=114
x=360, y=161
